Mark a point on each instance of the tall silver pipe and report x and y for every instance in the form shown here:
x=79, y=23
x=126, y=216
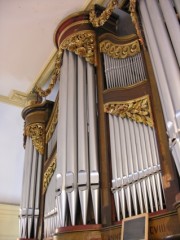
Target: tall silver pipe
x=83, y=166
x=128, y=80
x=150, y=165
x=119, y=163
x=172, y=25
x=29, y=211
x=125, y=166
x=33, y=190
x=155, y=157
x=71, y=147
x=130, y=163
x=140, y=164
x=168, y=108
x=24, y=190
x=39, y=172
x=145, y=166
x=106, y=69
x=112, y=72
x=120, y=75
x=62, y=142
x=123, y=73
x=93, y=151
x=132, y=125
x=114, y=165
x=165, y=48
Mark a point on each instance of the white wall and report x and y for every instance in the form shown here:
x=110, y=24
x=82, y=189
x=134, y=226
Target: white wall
x=9, y=222
x=12, y=154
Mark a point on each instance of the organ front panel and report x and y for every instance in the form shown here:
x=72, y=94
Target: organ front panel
x=101, y=153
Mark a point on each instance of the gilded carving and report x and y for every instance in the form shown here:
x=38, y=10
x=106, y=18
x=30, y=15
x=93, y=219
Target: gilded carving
x=99, y=21
x=37, y=133
x=52, y=125
x=82, y=43
x=55, y=75
x=119, y=50
x=138, y=110
x=134, y=17
x=49, y=173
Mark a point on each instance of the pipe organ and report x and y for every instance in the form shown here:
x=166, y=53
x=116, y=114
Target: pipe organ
x=100, y=153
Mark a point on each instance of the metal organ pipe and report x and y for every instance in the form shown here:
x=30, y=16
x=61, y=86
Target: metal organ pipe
x=23, y=217
x=28, y=211
x=71, y=148
x=125, y=166
x=135, y=170
x=167, y=83
x=168, y=108
x=32, y=190
x=130, y=164
x=170, y=64
x=135, y=164
x=123, y=72
x=140, y=166
x=93, y=151
x=77, y=167
x=83, y=166
x=62, y=143
x=172, y=25
x=114, y=167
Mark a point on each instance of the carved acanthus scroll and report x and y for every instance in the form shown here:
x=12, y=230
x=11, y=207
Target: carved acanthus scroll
x=37, y=133
x=119, y=50
x=138, y=110
x=82, y=43
x=49, y=173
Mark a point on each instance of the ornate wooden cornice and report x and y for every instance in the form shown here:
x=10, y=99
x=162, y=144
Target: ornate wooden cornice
x=115, y=50
x=138, y=110
x=36, y=117
x=82, y=43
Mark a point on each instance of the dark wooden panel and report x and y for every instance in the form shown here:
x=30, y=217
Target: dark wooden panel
x=125, y=94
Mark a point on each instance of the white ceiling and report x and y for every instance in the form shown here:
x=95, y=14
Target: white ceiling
x=26, y=46
x=26, y=42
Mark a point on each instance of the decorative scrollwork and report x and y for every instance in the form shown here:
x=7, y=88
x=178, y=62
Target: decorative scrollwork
x=82, y=43
x=138, y=110
x=53, y=123
x=37, y=133
x=134, y=17
x=119, y=50
x=99, y=21
x=49, y=173
x=55, y=74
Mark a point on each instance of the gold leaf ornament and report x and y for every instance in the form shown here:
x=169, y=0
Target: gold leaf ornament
x=82, y=43
x=100, y=21
x=119, y=50
x=37, y=133
x=49, y=173
x=138, y=110
x=55, y=75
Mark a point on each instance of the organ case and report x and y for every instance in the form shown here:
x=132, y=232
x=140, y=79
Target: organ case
x=106, y=151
